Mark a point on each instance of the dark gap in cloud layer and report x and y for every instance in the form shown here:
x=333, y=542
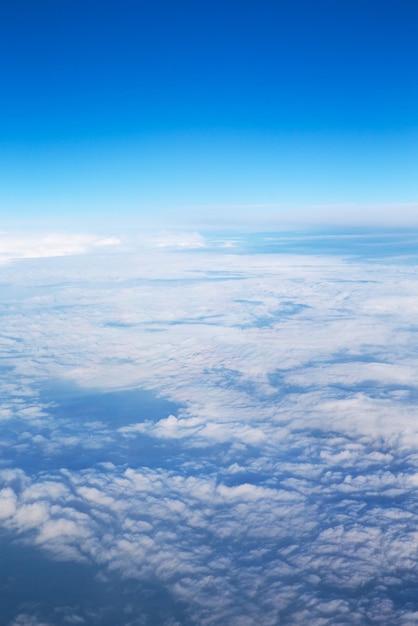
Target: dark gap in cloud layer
x=78, y=426
x=62, y=592
x=115, y=408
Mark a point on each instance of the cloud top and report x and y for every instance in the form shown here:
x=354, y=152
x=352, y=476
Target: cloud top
x=15, y=246
x=269, y=474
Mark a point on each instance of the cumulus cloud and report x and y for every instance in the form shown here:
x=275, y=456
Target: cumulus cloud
x=307, y=525
x=279, y=485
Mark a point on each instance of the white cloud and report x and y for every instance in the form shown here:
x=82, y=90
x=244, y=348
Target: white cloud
x=7, y=503
x=24, y=619
x=177, y=240
x=30, y=246
x=286, y=483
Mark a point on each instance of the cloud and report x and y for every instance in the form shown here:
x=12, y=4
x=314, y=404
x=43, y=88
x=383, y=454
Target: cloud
x=310, y=532
x=278, y=485
x=7, y=503
x=176, y=240
x=16, y=246
x=23, y=619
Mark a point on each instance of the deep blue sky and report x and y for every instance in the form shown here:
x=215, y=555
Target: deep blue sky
x=165, y=108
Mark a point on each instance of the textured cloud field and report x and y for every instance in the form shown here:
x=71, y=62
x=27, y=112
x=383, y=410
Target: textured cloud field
x=209, y=431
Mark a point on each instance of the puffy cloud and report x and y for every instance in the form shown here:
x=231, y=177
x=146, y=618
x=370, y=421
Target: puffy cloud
x=278, y=485
x=7, y=503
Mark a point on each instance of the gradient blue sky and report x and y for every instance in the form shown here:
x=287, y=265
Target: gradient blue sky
x=188, y=112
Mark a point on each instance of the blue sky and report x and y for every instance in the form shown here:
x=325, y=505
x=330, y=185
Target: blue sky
x=174, y=111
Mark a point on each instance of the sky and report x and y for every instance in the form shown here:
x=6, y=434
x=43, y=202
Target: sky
x=208, y=112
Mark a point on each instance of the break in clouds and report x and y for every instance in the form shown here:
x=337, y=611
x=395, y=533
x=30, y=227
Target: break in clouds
x=210, y=432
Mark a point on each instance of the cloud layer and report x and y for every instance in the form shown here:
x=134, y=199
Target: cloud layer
x=269, y=474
